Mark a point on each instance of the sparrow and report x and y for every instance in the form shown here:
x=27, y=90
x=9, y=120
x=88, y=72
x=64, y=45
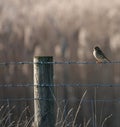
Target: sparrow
x=99, y=55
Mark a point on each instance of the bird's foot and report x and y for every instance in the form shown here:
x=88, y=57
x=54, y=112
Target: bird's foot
x=99, y=62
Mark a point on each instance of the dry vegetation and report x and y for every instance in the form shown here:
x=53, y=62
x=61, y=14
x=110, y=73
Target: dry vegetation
x=67, y=30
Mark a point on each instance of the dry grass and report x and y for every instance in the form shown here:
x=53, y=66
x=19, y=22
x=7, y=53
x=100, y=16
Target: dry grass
x=63, y=118
x=7, y=118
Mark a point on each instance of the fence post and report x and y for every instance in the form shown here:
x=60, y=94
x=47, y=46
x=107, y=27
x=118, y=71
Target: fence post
x=44, y=107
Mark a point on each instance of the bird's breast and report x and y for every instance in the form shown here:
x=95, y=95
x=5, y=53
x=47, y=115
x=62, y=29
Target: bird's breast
x=97, y=56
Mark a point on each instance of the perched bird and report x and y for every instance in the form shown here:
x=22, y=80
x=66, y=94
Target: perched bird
x=99, y=55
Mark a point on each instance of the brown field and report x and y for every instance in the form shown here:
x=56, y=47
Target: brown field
x=67, y=30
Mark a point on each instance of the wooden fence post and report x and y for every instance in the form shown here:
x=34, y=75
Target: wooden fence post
x=44, y=107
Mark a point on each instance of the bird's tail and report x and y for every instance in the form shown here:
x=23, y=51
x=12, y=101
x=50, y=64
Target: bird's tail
x=107, y=60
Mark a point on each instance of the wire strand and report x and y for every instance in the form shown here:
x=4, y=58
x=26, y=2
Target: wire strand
x=56, y=62
x=60, y=99
x=59, y=85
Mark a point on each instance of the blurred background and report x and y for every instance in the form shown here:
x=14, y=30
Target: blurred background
x=67, y=30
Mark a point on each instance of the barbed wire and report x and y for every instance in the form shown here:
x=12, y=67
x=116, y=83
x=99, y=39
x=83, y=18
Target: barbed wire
x=60, y=100
x=59, y=85
x=56, y=62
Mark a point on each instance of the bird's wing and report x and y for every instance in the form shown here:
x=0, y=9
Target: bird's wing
x=103, y=56
x=107, y=59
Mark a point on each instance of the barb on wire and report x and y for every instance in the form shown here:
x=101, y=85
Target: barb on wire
x=56, y=62
x=59, y=85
